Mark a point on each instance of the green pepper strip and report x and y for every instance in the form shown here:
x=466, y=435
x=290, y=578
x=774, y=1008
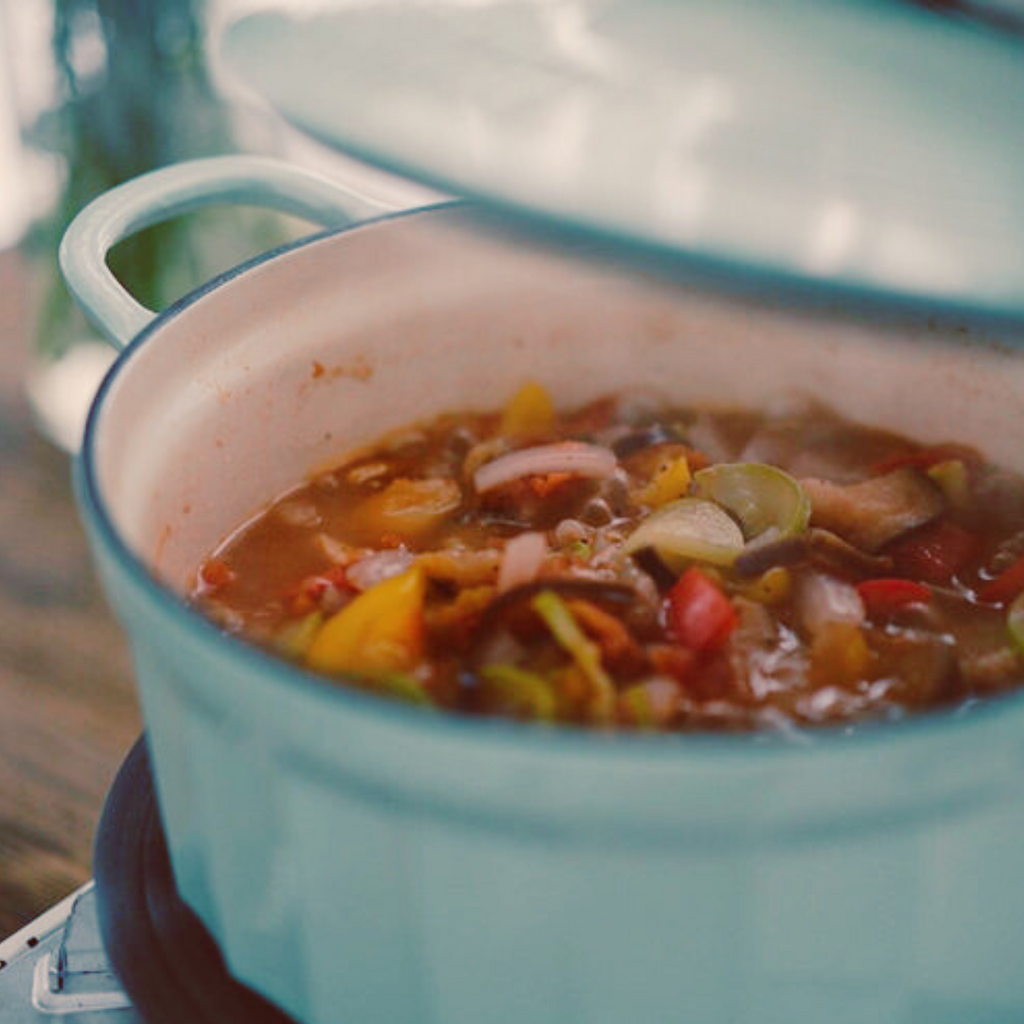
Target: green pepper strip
x=402, y=687
x=295, y=639
x=587, y=655
x=523, y=689
x=581, y=549
x=638, y=702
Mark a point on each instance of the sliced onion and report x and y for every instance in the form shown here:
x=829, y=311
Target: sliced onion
x=521, y=560
x=575, y=457
x=376, y=568
x=689, y=529
x=822, y=600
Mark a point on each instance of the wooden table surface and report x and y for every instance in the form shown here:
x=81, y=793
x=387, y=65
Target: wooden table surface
x=68, y=711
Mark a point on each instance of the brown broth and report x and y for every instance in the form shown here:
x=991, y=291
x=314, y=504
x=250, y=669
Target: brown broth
x=411, y=500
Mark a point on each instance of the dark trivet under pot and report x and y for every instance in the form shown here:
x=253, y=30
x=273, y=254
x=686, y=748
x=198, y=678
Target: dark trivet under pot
x=166, y=960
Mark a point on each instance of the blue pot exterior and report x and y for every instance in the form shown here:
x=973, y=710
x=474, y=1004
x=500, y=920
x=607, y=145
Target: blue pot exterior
x=358, y=861
x=362, y=860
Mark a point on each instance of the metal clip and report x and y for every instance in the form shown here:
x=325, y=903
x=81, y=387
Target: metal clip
x=77, y=977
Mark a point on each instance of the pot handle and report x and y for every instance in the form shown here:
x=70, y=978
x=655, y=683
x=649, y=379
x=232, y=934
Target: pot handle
x=170, y=191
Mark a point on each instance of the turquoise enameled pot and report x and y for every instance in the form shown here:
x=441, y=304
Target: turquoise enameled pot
x=361, y=860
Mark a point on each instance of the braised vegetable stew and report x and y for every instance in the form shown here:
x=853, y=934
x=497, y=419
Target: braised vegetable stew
x=631, y=564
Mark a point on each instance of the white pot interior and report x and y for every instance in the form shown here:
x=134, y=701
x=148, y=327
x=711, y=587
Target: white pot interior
x=224, y=407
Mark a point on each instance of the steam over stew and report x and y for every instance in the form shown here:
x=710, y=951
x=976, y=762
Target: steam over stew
x=629, y=564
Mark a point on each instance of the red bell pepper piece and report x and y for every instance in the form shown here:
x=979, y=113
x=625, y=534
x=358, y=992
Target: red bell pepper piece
x=306, y=595
x=925, y=458
x=885, y=596
x=934, y=553
x=699, y=613
x=1006, y=586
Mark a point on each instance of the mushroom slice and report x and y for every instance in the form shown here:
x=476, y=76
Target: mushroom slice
x=822, y=547
x=873, y=512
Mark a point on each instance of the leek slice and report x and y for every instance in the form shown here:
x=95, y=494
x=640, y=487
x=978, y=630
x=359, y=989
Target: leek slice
x=1015, y=622
x=585, y=653
x=525, y=691
x=402, y=686
x=759, y=496
x=688, y=530
x=953, y=480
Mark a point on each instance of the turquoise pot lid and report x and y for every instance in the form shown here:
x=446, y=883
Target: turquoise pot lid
x=874, y=144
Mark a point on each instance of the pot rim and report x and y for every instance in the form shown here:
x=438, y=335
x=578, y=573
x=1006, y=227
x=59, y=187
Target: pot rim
x=527, y=737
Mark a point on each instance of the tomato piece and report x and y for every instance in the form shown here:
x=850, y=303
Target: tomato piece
x=305, y=596
x=544, y=485
x=697, y=459
x=934, y=553
x=679, y=663
x=885, y=596
x=338, y=577
x=215, y=573
x=1006, y=586
x=700, y=615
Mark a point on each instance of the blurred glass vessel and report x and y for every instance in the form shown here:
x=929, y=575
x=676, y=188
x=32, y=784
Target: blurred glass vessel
x=106, y=91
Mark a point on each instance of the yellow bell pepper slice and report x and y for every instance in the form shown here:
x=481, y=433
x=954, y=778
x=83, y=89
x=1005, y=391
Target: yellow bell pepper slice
x=671, y=481
x=381, y=632
x=771, y=587
x=840, y=655
x=529, y=413
x=295, y=639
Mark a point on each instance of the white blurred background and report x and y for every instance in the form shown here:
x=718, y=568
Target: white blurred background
x=93, y=92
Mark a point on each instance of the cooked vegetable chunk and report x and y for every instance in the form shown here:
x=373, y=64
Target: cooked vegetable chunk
x=379, y=633
x=873, y=512
x=409, y=508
